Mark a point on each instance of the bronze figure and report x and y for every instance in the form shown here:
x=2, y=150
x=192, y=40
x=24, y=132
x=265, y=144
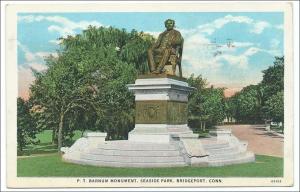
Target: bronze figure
x=167, y=50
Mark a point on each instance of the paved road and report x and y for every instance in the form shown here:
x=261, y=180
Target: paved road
x=259, y=141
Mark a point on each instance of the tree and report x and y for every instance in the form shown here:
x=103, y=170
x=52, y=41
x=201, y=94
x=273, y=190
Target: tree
x=248, y=105
x=195, y=118
x=274, y=107
x=273, y=78
x=85, y=86
x=230, y=107
x=197, y=82
x=206, y=105
x=26, y=130
x=213, y=105
x=273, y=87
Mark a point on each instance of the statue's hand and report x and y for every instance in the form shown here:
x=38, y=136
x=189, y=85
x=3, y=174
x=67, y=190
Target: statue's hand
x=169, y=44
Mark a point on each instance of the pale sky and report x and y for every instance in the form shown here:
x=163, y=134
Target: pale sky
x=228, y=49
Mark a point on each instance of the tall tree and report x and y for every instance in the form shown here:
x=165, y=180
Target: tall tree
x=85, y=86
x=206, y=105
x=273, y=87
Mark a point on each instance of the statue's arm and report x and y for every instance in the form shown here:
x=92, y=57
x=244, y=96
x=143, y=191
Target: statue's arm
x=157, y=42
x=179, y=45
x=179, y=40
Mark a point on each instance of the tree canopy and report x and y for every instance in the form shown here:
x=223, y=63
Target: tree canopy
x=85, y=86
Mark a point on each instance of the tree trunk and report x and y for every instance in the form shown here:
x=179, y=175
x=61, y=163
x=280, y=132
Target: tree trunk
x=204, y=125
x=54, y=136
x=201, y=125
x=20, y=148
x=60, y=129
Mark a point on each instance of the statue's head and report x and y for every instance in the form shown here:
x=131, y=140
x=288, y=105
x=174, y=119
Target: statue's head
x=169, y=24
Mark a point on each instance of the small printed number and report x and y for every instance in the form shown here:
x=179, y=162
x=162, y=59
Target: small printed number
x=276, y=181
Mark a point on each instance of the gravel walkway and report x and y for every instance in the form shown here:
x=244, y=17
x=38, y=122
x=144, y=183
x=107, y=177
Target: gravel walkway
x=259, y=140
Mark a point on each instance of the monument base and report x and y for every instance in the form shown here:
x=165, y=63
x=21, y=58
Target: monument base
x=181, y=150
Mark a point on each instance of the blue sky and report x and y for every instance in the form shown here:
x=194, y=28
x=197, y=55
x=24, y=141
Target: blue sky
x=229, y=49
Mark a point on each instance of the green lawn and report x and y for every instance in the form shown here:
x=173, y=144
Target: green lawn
x=52, y=165
x=45, y=145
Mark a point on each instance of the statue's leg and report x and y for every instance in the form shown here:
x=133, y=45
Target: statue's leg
x=174, y=68
x=164, y=59
x=151, y=63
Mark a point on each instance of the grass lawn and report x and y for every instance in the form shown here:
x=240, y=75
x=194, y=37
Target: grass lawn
x=52, y=165
x=45, y=145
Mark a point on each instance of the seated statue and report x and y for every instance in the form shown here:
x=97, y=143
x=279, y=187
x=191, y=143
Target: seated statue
x=167, y=50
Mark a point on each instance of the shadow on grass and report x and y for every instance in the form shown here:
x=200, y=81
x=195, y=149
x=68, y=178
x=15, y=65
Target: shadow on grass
x=42, y=148
x=269, y=134
x=45, y=146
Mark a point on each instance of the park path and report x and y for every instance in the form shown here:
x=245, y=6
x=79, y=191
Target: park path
x=259, y=140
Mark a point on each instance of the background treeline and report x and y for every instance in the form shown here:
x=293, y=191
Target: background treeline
x=84, y=88
x=262, y=102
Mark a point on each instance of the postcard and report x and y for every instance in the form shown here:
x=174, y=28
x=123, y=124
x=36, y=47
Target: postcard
x=149, y=94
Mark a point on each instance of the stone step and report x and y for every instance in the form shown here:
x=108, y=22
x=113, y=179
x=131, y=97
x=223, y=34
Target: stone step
x=134, y=146
x=216, y=146
x=122, y=164
x=142, y=153
x=248, y=157
x=180, y=130
x=222, y=150
x=225, y=156
x=131, y=159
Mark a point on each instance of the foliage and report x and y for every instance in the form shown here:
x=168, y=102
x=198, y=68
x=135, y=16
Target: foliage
x=197, y=82
x=230, y=108
x=256, y=103
x=247, y=107
x=273, y=78
x=85, y=86
x=274, y=108
x=53, y=166
x=26, y=130
x=214, y=105
x=206, y=105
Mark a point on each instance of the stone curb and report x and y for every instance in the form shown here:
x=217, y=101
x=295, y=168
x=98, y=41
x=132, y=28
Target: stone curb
x=276, y=133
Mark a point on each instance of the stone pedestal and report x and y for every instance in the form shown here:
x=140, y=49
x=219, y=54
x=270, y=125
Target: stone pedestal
x=161, y=108
x=95, y=138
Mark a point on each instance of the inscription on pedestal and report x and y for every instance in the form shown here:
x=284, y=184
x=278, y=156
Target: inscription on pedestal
x=161, y=112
